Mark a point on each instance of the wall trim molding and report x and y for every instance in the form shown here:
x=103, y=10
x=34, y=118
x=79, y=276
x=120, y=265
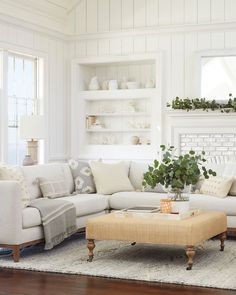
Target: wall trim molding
x=4, y=19
x=156, y=30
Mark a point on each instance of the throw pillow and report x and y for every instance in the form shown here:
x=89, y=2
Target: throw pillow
x=230, y=171
x=53, y=188
x=216, y=186
x=8, y=172
x=111, y=178
x=83, y=177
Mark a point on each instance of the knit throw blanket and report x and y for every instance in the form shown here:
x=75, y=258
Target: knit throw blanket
x=58, y=220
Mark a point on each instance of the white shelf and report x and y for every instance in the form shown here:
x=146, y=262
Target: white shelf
x=118, y=114
x=120, y=94
x=119, y=130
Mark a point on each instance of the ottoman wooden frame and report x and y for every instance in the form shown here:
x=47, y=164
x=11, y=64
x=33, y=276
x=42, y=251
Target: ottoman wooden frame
x=157, y=230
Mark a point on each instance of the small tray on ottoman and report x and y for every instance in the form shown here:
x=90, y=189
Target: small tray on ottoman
x=153, y=213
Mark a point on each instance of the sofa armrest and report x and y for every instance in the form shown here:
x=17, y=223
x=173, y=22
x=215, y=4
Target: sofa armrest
x=10, y=213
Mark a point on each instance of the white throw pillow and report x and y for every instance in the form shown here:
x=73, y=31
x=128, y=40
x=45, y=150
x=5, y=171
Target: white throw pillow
x=110, y=178
x=216, y=186
x=230, y=171
x=8, y=172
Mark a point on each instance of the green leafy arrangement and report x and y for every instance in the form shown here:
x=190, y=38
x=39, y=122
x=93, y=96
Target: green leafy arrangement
x=203, y=104
x=176, y=172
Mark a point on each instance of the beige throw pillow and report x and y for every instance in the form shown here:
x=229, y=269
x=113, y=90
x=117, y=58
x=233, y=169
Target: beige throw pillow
x=216, y=186
x=53, y=188
x=8, y=172
x=230, y=171
x=110, y=178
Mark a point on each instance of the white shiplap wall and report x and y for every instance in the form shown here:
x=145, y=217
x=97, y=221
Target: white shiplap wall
x=179, y=28
x=54, y=50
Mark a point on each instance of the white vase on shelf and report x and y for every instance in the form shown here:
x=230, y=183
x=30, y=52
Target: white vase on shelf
x=94, y=84
x=113, y=85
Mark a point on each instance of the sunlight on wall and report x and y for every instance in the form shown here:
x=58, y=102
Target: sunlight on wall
x=218, y=77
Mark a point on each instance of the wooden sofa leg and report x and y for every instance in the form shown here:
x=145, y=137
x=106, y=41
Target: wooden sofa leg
x=16, y=253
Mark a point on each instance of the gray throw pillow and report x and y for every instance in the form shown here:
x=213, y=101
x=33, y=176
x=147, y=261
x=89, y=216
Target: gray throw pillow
x=83, y=177
x=53, y=188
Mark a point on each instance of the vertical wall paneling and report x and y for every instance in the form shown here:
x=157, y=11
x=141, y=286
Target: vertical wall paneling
x=103, y=15
x=127, y=14
x=164, y=12
x=103, y=47
x=127, y=46
x=80, y=15
x=217, y=40
x=92, y=47
x=204, y=11
x=164, y=45
x=115, y=15
x=80, y=48
x=178, y=65
x=152, y=15
x=230, y=8
x=204, y=41
x=92, y=14
x=230, y=40
x=152, y=43
x=139, y=44
x=217, y=11
x=115, y=46
x=190, y=11
x=190, y=47
x=40, y=42
x=177, y=11
x=139, y=13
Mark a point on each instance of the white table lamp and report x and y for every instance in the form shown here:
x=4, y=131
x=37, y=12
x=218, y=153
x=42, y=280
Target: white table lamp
x=32, y=128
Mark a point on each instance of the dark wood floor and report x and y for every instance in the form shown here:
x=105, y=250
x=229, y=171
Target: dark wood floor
x=17, y=282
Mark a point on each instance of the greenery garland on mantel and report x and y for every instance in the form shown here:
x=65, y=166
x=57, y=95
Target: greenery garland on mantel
x=189, y=104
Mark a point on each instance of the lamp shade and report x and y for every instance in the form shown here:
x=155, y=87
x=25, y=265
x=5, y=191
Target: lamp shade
x=32, y=127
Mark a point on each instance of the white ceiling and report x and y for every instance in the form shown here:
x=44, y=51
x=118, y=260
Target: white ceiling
x=53, y=14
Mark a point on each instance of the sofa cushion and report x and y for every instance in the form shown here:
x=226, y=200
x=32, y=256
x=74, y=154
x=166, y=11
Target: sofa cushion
x=124, y=200
x=206, y=202
x=85, y=204
x=110, y=178
x=88, y=203
x=30, y=217
x=57, y=171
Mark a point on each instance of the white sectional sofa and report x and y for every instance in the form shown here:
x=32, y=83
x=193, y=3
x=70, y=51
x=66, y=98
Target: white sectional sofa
x=22, y=227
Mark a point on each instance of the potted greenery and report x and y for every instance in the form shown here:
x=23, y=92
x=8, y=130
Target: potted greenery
x=176, y=173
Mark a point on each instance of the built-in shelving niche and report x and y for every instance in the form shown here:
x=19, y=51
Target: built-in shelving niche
x=126, y=118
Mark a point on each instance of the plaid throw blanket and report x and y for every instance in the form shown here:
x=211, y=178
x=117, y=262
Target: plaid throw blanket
x=58, y=220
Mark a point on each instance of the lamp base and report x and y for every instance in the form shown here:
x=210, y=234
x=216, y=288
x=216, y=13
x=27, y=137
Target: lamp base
x=33, y=150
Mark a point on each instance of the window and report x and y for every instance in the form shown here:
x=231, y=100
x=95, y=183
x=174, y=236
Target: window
x=22, y=100
x=218, y=78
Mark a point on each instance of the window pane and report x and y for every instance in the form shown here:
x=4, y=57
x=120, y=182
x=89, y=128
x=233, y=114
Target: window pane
x=21, y=101
x=218, y=77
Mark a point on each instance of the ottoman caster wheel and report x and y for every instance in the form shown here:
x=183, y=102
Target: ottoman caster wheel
x=133, y=243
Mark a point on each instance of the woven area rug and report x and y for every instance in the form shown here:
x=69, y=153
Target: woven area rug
x=152, y=263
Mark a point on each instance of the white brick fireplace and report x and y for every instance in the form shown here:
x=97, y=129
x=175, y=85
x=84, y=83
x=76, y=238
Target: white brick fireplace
x=213, y=132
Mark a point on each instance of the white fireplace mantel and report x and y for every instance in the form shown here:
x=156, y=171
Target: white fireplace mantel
x=201, y=124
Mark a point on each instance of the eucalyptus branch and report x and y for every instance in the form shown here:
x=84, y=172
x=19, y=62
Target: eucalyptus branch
x=189, y=104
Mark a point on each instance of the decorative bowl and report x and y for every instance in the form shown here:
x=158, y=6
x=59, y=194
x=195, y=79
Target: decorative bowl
x=132, y=85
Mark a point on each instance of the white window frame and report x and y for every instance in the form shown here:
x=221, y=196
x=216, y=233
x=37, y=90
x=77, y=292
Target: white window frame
x=43, y=94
